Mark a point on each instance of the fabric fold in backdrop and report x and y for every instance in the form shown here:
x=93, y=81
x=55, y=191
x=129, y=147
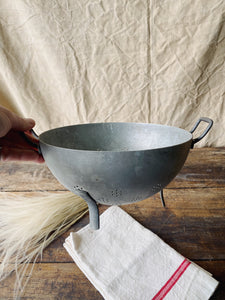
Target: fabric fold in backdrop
x=124, y=260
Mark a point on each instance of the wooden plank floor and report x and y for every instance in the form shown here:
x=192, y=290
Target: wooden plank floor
x=192, y=223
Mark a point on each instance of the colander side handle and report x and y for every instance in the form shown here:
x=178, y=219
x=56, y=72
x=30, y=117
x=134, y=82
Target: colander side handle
x=202, y=119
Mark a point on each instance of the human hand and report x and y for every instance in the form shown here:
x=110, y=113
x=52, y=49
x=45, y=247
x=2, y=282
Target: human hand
x=12, y=145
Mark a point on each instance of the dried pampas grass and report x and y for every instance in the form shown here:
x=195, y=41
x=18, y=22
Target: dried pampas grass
x=30, y=223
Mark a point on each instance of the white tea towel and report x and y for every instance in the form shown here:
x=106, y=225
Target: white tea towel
x=124, y=260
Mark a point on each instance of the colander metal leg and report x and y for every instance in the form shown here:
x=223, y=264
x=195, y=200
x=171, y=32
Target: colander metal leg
x=93, y=209
x=162, y=198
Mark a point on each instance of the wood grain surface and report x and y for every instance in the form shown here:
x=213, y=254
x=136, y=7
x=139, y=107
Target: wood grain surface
x=192, y=223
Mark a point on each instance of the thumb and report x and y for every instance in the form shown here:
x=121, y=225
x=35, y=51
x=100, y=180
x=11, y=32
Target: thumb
x=9, y=120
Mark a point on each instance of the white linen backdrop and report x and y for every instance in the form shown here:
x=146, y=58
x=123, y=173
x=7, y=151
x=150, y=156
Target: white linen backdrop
x=159, y=61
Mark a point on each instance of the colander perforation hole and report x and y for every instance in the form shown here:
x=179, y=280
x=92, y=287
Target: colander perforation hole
x=138, y=198
x=116, y=193
x=157, y=187
x=78, y=187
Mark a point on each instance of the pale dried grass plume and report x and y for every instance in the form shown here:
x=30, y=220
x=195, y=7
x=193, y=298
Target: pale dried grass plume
x=28, y=224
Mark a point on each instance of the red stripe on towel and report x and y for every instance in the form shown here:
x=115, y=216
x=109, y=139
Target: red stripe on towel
x=172, y=281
